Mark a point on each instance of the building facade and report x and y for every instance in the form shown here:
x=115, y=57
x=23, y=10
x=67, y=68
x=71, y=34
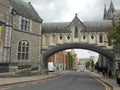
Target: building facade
x=75, y=59
x=86, y=34
x=23, y=36
x=20, y=32
x=111, y=13
x=59, y=60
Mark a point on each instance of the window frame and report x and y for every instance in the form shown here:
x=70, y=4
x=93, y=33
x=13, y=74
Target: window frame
x=76, y=32
x=23, y=50
x=25, y=25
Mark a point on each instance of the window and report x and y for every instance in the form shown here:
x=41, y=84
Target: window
x=68, y=37
x=101, y=38
x=84, y=37
x=92, y=37
x=60, y=37
x=25, y=25
x=23, y=50
x=76, y=32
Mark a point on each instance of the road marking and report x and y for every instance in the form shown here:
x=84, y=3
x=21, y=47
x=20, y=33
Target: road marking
x=105, y=85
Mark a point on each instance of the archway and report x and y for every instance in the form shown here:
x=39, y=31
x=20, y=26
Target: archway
x=65, y=46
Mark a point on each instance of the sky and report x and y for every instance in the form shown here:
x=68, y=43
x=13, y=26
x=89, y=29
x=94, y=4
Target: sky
x=82, y=53
x=64, y=11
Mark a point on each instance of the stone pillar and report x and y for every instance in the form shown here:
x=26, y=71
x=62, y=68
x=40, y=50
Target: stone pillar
x=109, y=65
x=44, y=64
x=117, y=59
x=100, y=61
x=114, y=63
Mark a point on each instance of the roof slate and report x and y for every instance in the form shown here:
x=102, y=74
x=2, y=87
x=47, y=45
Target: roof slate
x=98, y=26
x=63, y=27
x=58, y=27
x=25, y=9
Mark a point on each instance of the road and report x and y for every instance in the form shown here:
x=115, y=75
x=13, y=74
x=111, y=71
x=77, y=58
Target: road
x=71, y=81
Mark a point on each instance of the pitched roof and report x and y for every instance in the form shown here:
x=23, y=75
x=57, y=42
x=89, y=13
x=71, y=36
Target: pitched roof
x=76, y=20
x=98, y=26
x=63, y=27
x=58, y=27
x=25, y=9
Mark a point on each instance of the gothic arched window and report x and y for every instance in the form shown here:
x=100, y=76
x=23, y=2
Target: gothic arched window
x=101, y=38
x=23, y=50
x=76, y=32
x=61, y=37
x=84, y=37
x=92, y=37
x=68, y=37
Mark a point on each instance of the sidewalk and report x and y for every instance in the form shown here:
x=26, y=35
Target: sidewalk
x=14, y=80
x=109, y=81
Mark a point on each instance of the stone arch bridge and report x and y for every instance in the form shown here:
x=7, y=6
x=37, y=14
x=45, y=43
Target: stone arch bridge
x=77, y=34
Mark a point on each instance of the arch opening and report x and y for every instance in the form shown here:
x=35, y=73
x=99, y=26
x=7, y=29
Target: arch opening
x=61, y=47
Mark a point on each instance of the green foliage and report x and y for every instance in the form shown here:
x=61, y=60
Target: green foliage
x=70, y=59
x=92, y=64
x=87, y=64
x=114, y=34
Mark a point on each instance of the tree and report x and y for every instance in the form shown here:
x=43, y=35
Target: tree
x=70, y=59
x=114, y=35
x=87, y=64
x=92, y=64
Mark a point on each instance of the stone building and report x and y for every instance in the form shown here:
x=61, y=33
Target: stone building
x=59, y=59
x=21, y=30
x=111, y=13
x=78, y=34
x=75, y=59
x=20, y=36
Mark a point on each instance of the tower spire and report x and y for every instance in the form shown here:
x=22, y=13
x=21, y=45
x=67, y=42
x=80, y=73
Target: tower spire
x=111, y=6
x=105, y=12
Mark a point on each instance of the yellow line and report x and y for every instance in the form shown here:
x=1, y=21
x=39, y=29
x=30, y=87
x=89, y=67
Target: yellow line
x=105, y=85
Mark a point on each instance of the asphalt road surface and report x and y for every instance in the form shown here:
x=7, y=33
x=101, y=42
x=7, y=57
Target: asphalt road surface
x=71, y=81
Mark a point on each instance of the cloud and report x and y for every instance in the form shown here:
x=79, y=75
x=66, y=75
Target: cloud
x=82, y=53
x=64, y=10
x=50, y=10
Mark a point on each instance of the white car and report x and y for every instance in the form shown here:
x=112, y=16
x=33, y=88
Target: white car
x=51, y=67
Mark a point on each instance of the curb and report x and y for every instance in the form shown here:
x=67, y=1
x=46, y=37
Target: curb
x=111, y=87
x=37, y=80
